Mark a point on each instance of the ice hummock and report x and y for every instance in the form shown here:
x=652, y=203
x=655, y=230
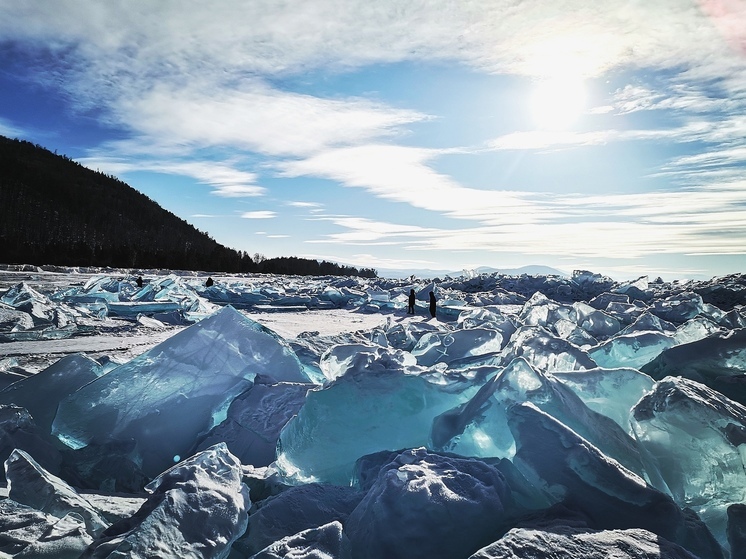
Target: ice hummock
x=31, y=485
x=166, y=398
x=384, y=405
x=41, y=393
x=718, y=361
x=480, y=427
x=694, y=441
x=197, y=509
x=568, y=475
x=467, y=502
x=572, y=471
x=570, y=542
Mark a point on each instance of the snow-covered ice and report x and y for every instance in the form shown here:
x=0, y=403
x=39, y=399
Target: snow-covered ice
x=270, y=416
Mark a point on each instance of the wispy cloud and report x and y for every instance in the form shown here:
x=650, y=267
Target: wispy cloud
x=299, y=204
x=9, y=130
x=225, y=180
x=280, y=38
x=259, y=214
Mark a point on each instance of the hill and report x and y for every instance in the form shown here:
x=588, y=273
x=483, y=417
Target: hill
x=55, y=211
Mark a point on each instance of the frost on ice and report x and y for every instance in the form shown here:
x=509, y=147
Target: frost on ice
x=535, y=417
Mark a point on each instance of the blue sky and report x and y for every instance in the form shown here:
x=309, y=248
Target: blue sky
x=605, y=136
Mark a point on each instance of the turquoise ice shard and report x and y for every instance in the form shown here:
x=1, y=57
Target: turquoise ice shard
x=165, y=398
x=718, y=361
x=694, y=439
x=545, y=351
x=445, y=347
x=379, y=403
x=41, y=393
x=480, y=427
x=611, y=392
x=573, y=471
x=631, y=350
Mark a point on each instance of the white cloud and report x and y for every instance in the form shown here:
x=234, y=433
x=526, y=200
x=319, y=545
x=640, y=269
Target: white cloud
x=401, y=174
x=688, y=221
x=259, y=214
x=128, y=38
x=257, y=118
x=226, y=181
x=299, y=204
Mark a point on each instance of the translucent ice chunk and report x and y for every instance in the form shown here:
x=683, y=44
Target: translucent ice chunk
x=631, y=350
x=41, y=393
x=696, y=329
x=695, y=439
x=337, y=360
x=568, y=330
x=451, y=346
x=597, y=323
x=539, y=310
x=374, y=406
x=718, y=361
x=20, y=432
x=25, y=298
x=545, y=351
x=164, y=399
x=484, y=421
x=572, y=470
x=602, y=301
x=610, y=392
x=649, y=322
x=679, y=308
x=255, y=419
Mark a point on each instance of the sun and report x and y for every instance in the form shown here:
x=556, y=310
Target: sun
x=557, y=103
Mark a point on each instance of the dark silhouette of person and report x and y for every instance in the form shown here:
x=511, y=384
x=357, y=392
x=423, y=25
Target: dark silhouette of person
x=139, y=281
x=410, y=307
x=432, y=304
x=209, y=282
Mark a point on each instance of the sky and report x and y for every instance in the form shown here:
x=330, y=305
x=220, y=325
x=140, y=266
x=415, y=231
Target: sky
x=406, y=135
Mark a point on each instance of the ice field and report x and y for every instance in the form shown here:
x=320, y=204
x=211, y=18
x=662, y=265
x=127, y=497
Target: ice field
x=268, y=417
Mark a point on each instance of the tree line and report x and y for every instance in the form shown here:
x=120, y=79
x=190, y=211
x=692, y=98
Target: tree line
x=55, y=211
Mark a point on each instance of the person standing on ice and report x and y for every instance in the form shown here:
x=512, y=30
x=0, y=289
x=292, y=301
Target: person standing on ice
x=432, y=304
x=209, y=282
x=410, y=307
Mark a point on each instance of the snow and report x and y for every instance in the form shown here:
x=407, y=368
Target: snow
x=271, y=416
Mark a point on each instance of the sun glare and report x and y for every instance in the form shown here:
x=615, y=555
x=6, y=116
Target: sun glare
x=556, y=104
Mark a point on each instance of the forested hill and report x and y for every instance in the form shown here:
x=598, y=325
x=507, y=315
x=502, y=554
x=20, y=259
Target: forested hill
x=55, y=211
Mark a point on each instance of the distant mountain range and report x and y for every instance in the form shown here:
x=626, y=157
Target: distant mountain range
x=533, y=270
x=55, y=211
